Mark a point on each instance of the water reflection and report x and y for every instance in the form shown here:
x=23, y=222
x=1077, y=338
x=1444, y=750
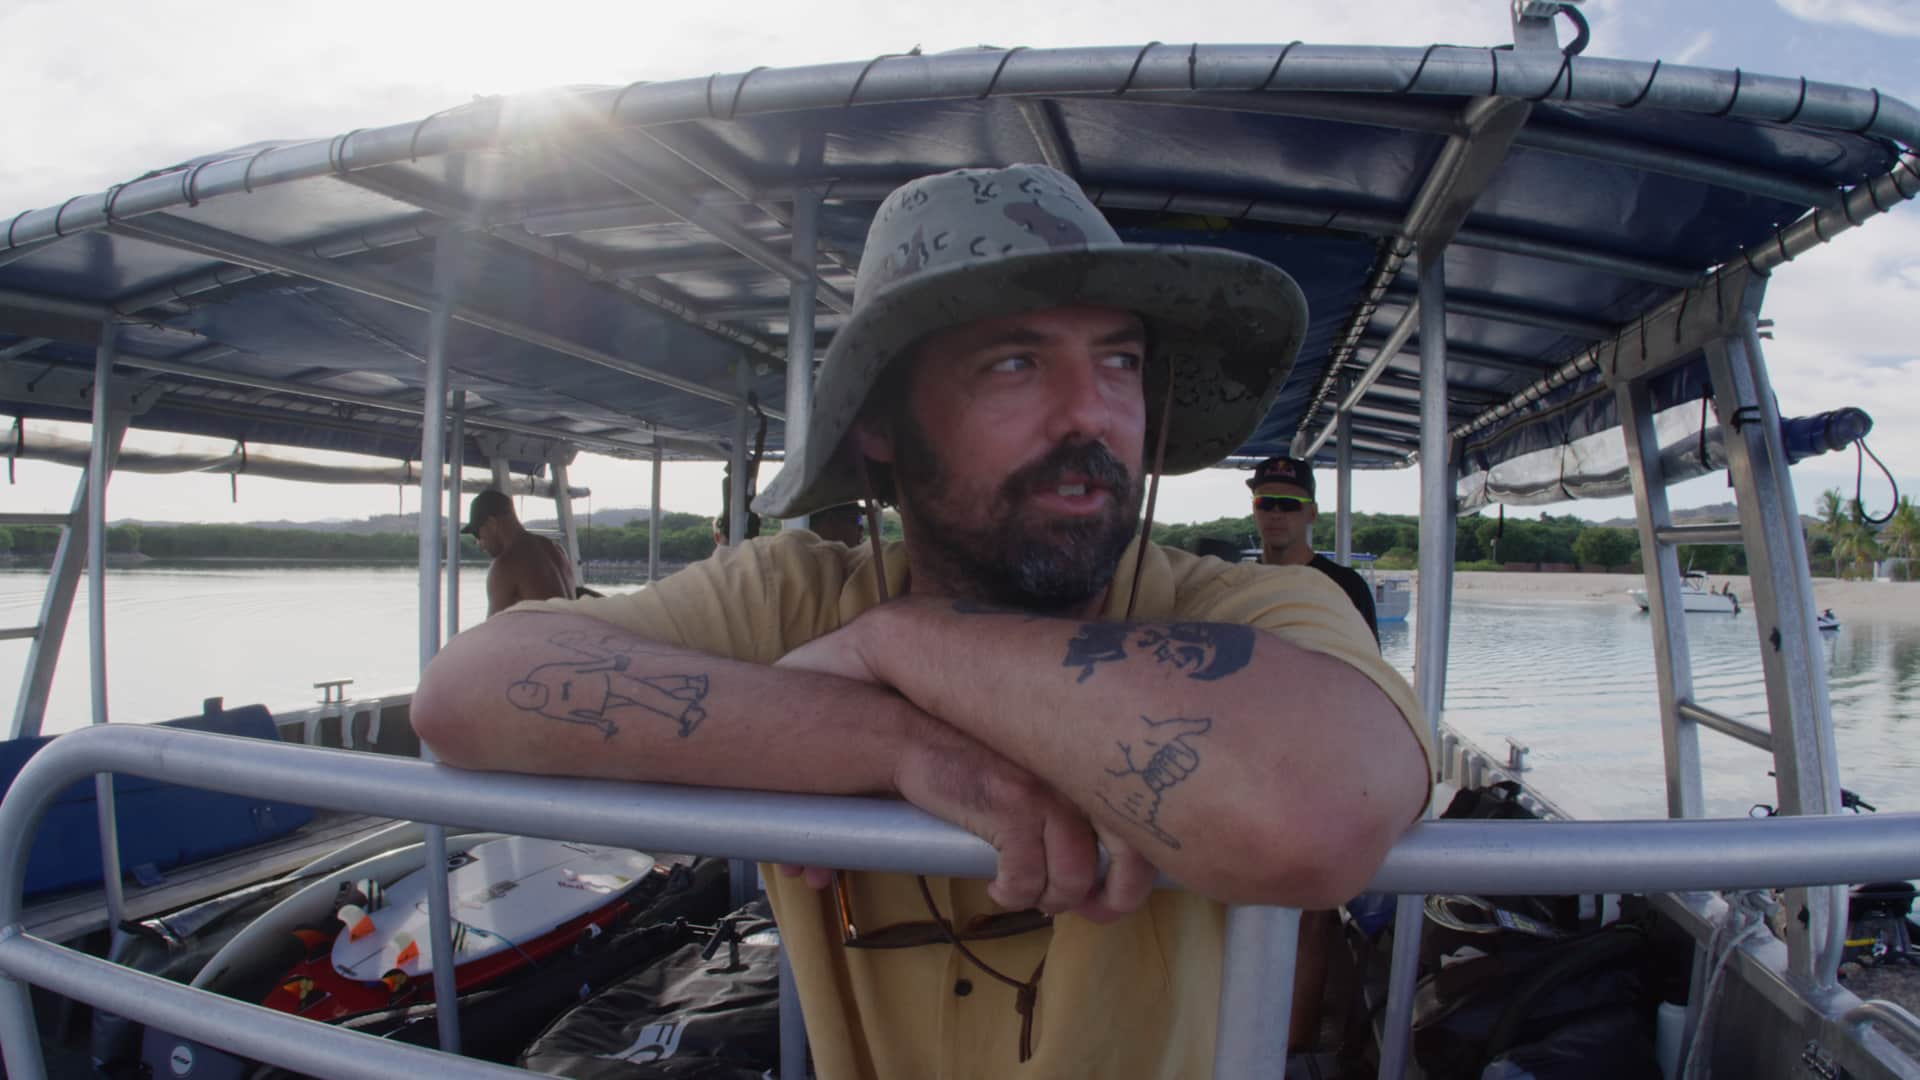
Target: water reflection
x=1575, y=681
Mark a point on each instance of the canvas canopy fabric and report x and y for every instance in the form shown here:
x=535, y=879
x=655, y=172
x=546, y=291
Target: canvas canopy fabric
x=621, y=258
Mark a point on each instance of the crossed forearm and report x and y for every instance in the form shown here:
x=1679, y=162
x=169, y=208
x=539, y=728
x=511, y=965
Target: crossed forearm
x=569, y=695
x=1242, y=765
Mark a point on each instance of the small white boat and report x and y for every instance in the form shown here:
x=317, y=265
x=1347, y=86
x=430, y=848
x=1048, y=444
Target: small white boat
x=1392, y=598
x=1826, y=620
x=1697, y=593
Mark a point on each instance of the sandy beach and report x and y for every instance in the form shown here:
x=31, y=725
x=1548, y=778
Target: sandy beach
x=1899, y=601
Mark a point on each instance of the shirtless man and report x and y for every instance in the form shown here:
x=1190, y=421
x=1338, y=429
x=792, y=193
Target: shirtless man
x=526, y=566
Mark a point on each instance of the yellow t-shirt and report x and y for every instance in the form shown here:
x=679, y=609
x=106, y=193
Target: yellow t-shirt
x=1139, y=997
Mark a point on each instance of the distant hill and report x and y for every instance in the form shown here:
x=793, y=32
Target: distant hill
x=1701, y=515
x=382, y=524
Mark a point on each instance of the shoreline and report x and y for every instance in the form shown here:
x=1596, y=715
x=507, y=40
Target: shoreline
x=1897, y=601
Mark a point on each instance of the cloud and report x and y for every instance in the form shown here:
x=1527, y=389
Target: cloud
x=1695, y=48
x=1900, y=17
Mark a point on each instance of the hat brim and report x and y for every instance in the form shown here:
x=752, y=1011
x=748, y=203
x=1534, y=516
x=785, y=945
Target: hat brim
x=472, y=528
x=1229, y=325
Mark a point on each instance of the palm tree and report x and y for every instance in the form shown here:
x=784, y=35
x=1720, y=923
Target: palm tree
x=1901, y=534
x=1833, y=518
x=1856, y=543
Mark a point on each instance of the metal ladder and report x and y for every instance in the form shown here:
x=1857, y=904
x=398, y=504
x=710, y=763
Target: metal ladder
x=69, y=559
x=1799, y=735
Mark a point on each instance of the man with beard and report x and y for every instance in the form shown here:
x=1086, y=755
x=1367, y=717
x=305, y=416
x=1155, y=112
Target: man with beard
x=1020, y=665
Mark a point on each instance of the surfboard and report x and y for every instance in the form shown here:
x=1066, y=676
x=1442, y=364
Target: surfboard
x=516, y=900
x=238, y=960
x=505, y=892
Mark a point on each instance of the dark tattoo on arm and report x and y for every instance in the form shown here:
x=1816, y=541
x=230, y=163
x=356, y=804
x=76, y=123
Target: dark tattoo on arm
x=1163, y=758
x=1205, y=651
x=597, y=689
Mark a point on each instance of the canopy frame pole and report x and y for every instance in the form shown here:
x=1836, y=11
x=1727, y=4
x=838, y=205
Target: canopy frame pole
x=1792, y=662
x=1467, y=163
x=63, y=581
x=448, y=252
x=456, y=464
x=99, y=472
x=1343, y=512
x=563, y=504
x=800, y=324
x=739, y=871
x=653, y=523
x=502, y=474
x=1435, y=596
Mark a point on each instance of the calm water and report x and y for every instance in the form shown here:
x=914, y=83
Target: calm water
x=1573, y=680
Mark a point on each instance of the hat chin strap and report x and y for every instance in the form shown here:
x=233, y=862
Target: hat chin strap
x=1153, y=492
x=873, y=530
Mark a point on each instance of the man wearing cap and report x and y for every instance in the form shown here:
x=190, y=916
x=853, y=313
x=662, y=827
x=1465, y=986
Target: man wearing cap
x=1284, y=512
x=1020, y=665
x=526, y=565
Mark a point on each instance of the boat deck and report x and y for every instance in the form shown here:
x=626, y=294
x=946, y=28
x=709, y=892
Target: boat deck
x=72, y=915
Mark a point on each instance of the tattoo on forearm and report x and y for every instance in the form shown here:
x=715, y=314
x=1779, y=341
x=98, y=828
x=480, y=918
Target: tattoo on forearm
x=1164, y=757
x=1205, y=651
x=597, y=690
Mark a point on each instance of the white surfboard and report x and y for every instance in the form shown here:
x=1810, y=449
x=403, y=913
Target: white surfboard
x=504, y=892
x=313, y=904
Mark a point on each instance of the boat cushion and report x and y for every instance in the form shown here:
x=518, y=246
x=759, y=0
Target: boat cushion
x=161, y=825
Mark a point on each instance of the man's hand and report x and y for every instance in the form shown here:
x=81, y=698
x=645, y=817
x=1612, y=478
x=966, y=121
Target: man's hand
x=1048, y=857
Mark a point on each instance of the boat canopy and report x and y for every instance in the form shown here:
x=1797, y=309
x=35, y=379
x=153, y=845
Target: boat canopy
x=619, y=260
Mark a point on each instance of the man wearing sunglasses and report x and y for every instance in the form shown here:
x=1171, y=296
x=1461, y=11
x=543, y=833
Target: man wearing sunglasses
x=1011, y=377
x=1284, y=512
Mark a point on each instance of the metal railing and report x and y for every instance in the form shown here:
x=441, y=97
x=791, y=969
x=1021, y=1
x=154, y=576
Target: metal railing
x=857, y=833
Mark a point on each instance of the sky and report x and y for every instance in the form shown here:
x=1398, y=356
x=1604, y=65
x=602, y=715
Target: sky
x=92, y=102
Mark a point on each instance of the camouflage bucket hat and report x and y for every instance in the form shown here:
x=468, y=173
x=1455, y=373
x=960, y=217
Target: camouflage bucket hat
x=975, y=244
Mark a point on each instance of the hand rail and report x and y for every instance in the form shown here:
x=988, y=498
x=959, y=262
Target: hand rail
x=858, y=833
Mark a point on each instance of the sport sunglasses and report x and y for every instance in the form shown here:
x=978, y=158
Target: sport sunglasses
x=1283, y=504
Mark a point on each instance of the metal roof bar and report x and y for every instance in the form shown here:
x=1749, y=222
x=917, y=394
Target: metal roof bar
x=1516, y=314
x=570, y=256
x=683, y=442
x=629, y=174
x=1486, y=358
x=177, y=232
x=1372, y=223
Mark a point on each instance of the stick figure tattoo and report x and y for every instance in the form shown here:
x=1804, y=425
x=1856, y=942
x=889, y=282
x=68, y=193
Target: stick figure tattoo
x=599, y=692
x=1206, y=651
x=1135, y=791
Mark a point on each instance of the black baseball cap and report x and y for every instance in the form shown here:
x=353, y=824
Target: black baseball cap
x=486, y=505
x=1283, y=470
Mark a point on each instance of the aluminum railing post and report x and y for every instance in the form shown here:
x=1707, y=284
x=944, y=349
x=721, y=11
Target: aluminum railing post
x=447, y=255
x=739, y=871
x=800, y=312
x=1435, y=596
x=1343, y=513
x=502, y=474
x=456, y=461
x=1256, y=992
x=1793, y=664
x=563, y=505
x=653, y=523
x=1672, y=657
x=99, y=472
x=737, y=459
